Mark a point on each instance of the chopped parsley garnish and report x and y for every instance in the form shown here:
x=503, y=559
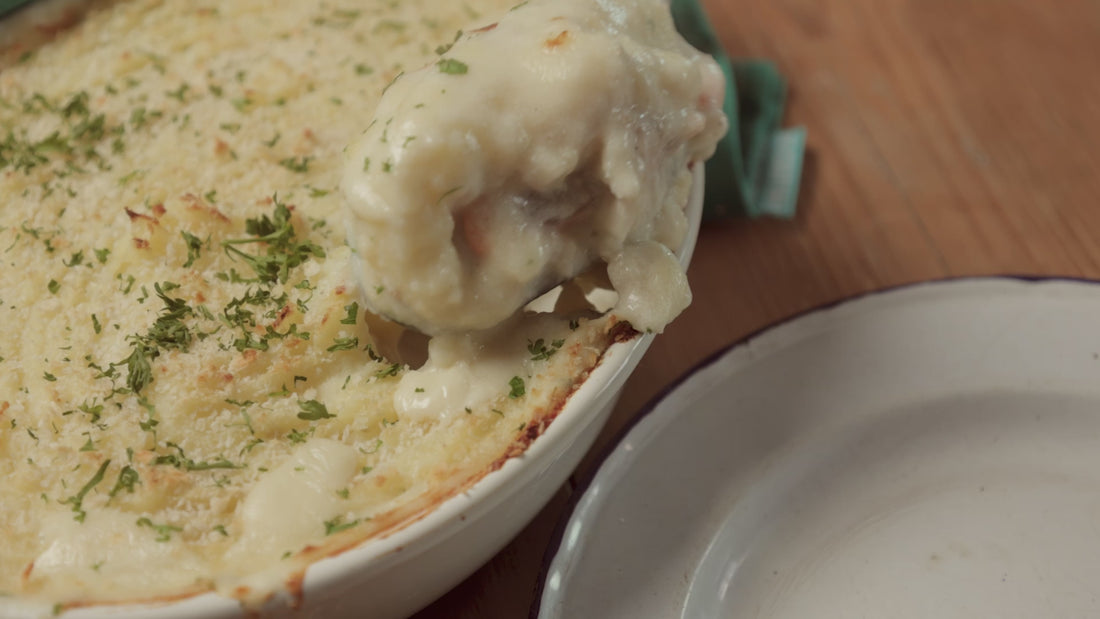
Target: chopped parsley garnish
x=540, y=351
x=53, y=286
x=150, y=422
x=390, y=370
x=77, y=500
x=139, y=372
x=451, y=66
x=169, y=331
x=296, y=164
x=163, y=531
x=344, y=343
x=179, y=93
x=93, y=410
x=194, y=247
x=373, y=355
x=296, y=436
x=312, y=410
x=127, y=477
x=126, y=285
x=352, y=316
x=337, y=524
x=282, y=249
x=180, y=461
x=518, y=388
x=443, y=49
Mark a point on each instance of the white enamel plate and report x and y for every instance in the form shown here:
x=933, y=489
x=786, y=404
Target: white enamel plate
x=933, y=451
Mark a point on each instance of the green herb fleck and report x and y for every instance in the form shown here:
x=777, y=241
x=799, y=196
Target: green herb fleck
x=180, y=461
x=336, y=525
x=296, y=164
x=540, y=351
x=443, y=49
x=296, y=436
x=163, y=531
x=127, y=477
x=194, y=247
x=179, y=93
x=77, y=500
x=518, y=388
x=352, y=313
x=390, y=370
x=451, y=66
x=312, y=410
x=344, y=343
x=283, y=250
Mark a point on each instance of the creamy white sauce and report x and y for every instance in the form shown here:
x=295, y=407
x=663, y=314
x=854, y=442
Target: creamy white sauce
x=651, y=284
x=557, y=138
x=466, y=371
x=111, y=543
x=289, y=506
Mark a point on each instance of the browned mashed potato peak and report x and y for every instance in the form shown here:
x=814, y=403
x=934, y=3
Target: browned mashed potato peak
x=191, y=398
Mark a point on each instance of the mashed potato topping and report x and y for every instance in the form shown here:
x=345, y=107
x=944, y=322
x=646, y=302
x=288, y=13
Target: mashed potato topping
x=192, y=397
x=559, y=136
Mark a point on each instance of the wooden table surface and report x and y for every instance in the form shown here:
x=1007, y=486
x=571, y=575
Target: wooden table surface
x=946, y=138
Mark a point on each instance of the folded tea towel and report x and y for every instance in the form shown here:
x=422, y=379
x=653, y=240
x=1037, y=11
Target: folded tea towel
x=757, y=166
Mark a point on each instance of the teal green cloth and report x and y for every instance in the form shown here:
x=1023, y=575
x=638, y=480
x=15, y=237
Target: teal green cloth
x=757, y=166
x=7, y=6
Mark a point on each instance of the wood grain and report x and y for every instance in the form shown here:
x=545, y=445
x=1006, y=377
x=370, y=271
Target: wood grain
x=947, y=138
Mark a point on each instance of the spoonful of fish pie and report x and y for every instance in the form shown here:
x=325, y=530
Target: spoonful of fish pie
x=558, y=138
